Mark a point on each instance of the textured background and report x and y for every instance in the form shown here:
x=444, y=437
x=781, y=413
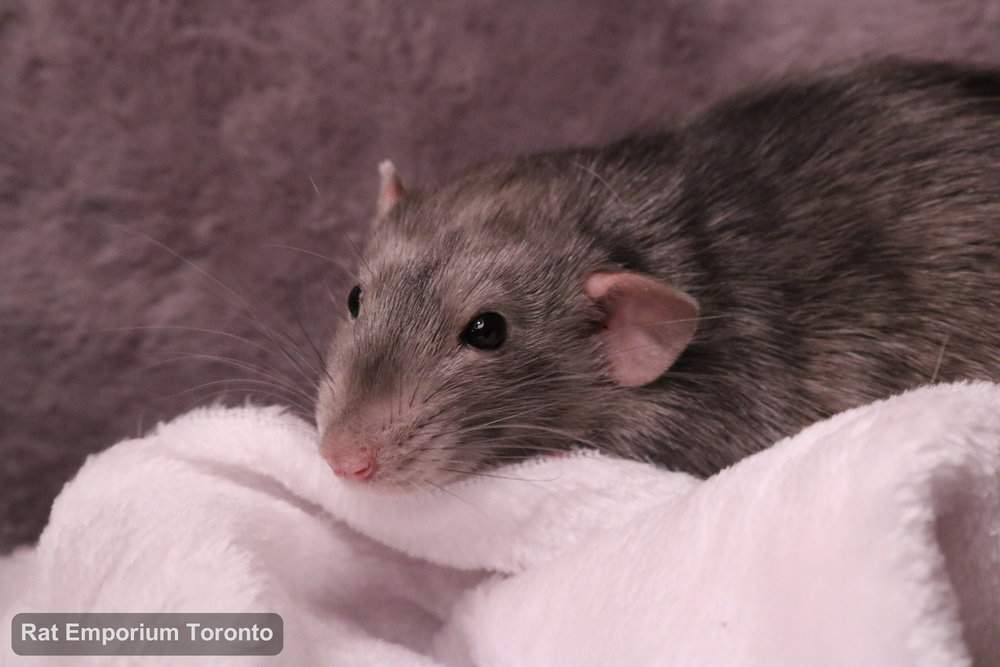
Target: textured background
x=206, y=125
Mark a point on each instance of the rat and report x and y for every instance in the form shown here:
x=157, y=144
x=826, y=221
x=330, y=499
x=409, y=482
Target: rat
x=684, y=297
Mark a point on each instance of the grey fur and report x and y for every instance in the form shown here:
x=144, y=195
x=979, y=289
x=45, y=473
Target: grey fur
x=839, y=231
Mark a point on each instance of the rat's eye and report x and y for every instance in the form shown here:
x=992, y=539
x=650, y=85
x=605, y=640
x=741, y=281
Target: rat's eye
x=486, y=331
x=354, y=300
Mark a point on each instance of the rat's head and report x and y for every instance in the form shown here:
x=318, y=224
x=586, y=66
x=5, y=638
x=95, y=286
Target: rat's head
x=480, y=332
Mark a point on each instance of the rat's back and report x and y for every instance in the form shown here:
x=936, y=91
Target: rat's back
x=841, y=233
x=859, y=219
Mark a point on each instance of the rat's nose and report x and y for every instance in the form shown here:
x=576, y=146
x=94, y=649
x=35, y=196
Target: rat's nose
x=346, y=457
x=353, y=465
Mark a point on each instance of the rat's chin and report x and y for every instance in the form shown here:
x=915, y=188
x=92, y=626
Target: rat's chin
x=400, y=482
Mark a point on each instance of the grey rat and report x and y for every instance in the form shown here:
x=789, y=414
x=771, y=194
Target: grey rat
x=683, y=297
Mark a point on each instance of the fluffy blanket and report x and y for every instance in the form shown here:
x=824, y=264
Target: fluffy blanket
x=871, y=538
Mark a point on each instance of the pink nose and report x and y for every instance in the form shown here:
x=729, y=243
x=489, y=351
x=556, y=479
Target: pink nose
x=346, y=458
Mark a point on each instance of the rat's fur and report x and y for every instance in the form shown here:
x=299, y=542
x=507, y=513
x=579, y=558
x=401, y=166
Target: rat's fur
x=840, y=232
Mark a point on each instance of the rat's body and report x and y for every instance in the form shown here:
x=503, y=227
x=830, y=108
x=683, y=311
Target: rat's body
x=837, y=239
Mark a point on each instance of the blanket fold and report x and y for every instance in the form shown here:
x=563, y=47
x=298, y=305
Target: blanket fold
x=870, y=538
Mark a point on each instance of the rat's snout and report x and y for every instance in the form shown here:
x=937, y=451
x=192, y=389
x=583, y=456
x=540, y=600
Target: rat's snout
x=346, y=456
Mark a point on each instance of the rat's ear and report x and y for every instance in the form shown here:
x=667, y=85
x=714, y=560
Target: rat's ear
x=389, y=191
x=646, y=324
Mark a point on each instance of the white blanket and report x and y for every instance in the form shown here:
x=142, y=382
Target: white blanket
x=870, y=539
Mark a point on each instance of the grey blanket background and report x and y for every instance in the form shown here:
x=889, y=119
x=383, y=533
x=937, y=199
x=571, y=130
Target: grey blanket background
x=231, y=132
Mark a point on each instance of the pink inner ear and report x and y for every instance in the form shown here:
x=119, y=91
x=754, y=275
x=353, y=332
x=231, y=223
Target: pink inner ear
x=646, y=324
x=390, y=189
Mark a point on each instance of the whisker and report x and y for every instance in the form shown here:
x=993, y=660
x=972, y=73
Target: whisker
x=170, y=327
x=480, y=427
x=320, y=357
x=491, y=442
x=246, y=309
x=329, y=260
x=276, y=380
x=451, y=493
x=357, y=250
x=940, y=357
x=250, y=384
x=576, y=438
x=480, y=473
x=593, y=172
x=202, y=398
x=313, y=181
x=240, y=384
